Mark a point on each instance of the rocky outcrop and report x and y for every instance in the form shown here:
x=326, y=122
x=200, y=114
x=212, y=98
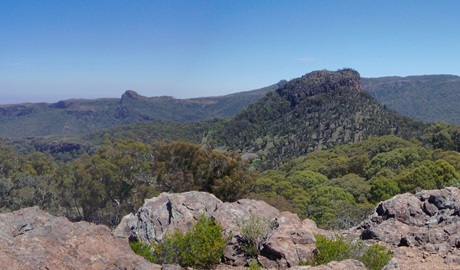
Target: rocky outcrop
x=422, y=230
x=293, y=238
x=132, y=95
x=289, y=242
x=428, y=222
x=166, y=213
x=318, y=82
x=34, y=239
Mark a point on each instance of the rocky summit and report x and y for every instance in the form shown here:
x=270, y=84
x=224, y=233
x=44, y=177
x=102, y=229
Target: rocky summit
x=422, y=230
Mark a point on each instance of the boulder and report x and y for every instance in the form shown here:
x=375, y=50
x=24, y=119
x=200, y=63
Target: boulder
x=447, y=198
x=231, y=216
x=165, y=214
x=405, y=208
x=293, y=240
x=34, y=239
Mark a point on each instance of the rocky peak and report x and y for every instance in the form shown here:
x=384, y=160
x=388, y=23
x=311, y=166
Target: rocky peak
x=131, y=94
x=317, y=82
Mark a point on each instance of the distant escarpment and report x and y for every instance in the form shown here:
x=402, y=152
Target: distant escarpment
x=317, y=111
x=81, y=116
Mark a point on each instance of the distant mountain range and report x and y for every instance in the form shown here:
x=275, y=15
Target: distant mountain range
x=80, y=116
x=430, y=98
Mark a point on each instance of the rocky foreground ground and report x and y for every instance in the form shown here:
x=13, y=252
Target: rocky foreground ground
x=423, y=230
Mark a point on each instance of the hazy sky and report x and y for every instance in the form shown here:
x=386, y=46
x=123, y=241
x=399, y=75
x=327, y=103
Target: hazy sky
x=54, y=50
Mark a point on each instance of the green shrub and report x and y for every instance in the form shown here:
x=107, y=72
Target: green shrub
x=143, y=250
x=376, y=257
x=331, y=250
x=170, y=250
x=201, y=247
x=339, y=249
x=254, y=265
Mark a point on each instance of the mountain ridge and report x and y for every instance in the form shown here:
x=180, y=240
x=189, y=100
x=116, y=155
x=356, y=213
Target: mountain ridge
x=428, y=98
x=80, y=116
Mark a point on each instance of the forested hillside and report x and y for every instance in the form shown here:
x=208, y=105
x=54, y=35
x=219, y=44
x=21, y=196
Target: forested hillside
x=429, y=98
x=117, y=177
x=336, y=188
x=317, y=111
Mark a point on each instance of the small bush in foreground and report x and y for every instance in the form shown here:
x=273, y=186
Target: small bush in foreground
x=255, y=231
x=339, y=249
x=201, y=247
x=142, y=249
x=331, y=250
x=376, y=257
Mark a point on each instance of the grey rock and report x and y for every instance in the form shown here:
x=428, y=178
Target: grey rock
x=166, y=213
x=293, y=240
x=447, y=198
x=229, y=215
x=405, y=208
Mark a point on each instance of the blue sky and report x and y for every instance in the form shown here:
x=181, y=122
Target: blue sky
x=54, y=50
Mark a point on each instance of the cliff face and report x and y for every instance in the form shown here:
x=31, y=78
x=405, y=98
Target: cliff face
x=423, y=231
x=320, y=82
